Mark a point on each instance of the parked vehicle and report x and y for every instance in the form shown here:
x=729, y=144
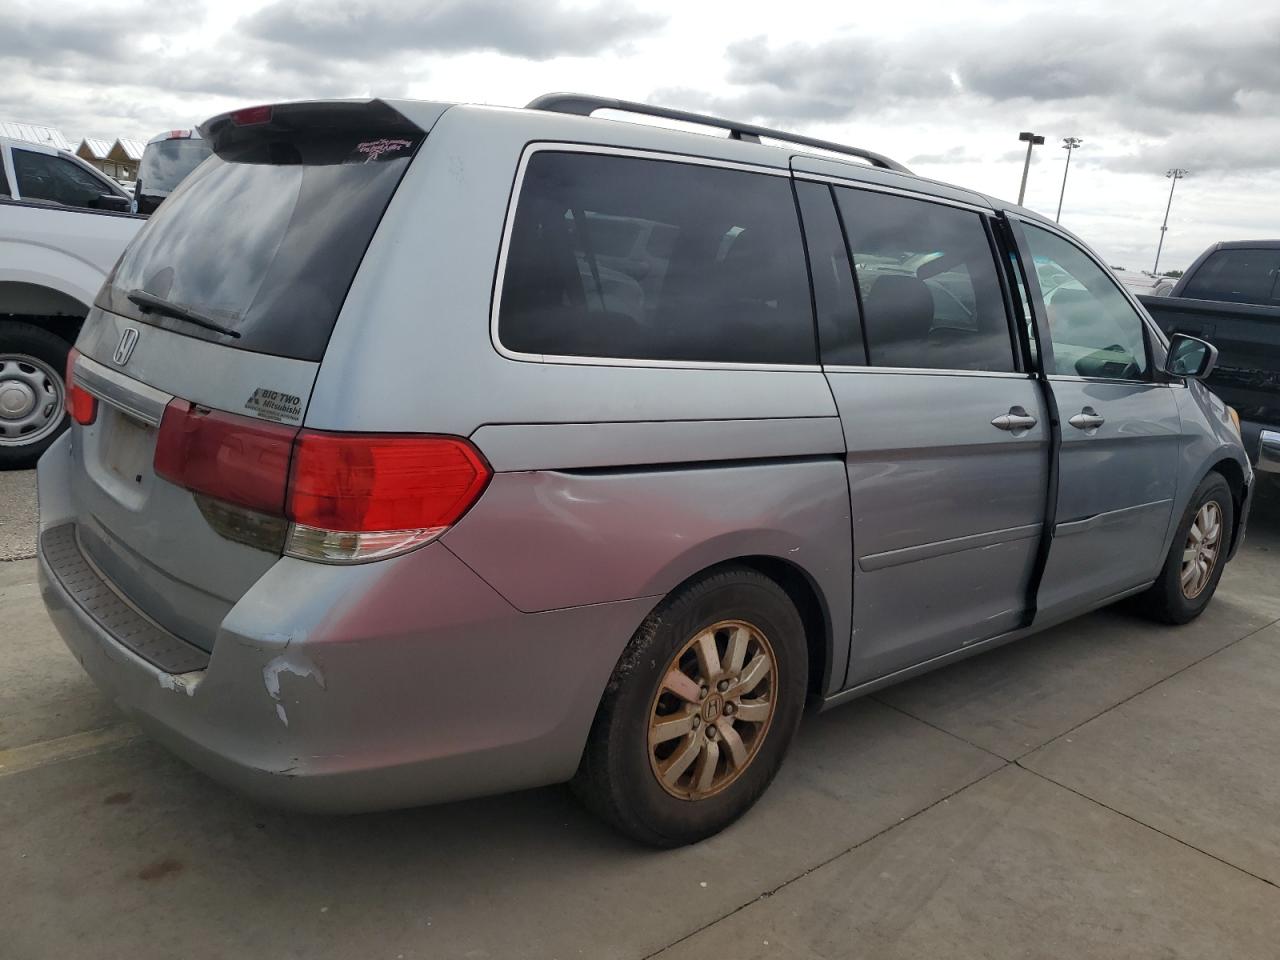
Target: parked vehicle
x=425, y=451
x=1145, y=283
x=1230, y=296
x=61, y=229
x=166, y=161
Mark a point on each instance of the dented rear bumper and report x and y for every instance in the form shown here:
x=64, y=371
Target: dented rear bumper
x=340, y=689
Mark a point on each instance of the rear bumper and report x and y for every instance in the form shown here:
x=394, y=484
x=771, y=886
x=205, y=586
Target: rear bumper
x=340, y=689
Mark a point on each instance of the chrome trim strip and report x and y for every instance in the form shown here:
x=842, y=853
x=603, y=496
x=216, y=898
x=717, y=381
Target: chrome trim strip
x=1068, y=378
x=1069, y=527
x=928, y=371
x=133, y=397
x=856, y=184
x=941, y=548
x=1268, y=451
x=509, y=223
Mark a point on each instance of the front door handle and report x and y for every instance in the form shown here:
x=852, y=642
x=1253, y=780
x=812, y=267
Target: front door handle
x=1087, y=419
x=1017, y=419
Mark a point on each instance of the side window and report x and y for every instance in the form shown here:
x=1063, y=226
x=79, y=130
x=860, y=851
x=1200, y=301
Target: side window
x=4, y=181
x=931, y=296
x=1237, y=276
x=1095, y=332
x=839, y=325
x=651, y=259
x=41, y=176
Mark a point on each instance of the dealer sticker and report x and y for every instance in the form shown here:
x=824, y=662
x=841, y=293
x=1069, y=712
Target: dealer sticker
x=274, y=405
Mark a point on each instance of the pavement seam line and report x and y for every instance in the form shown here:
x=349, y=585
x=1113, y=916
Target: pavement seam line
x=1151, y=686
x=950, y=733
x=72, y=747
x=1004, y=764
x=1142, y=823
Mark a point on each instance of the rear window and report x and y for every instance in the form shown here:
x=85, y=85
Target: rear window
x=1237, y=276
x=166, y=162
x=268, y=249
x=633, y=258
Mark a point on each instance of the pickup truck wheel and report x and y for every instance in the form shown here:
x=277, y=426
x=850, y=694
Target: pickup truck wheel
x=1197, y=556
x=32, y=394
x=699, y=711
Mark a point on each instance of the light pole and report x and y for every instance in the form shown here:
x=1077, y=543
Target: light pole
x=1068, y=144
x=1032, y=141
x=1176, y=174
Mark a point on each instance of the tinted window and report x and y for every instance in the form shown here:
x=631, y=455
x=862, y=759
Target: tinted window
x=1095, y=332
x=1237, y=276
x=931, y=296
x=648, y=259
x=4, y=181
x=166, y=162
x=268, y=249
x=41, y=176
x=839, y=326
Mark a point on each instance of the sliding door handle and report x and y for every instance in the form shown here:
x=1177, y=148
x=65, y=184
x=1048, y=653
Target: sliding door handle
x=1087, y=419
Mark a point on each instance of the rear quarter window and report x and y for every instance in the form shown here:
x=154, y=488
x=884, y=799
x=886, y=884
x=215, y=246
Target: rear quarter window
x=645, y=259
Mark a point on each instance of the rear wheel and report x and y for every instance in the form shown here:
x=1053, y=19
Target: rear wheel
x=699, y=712
x=1197, y=556
x=32, y=394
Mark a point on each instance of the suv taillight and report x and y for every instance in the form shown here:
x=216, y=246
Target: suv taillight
x=348, y=497
x=81, y=404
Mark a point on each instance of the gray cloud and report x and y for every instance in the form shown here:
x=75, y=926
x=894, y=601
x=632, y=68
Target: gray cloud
x=360, y=30
x=1209, y=154
x=1041, y=59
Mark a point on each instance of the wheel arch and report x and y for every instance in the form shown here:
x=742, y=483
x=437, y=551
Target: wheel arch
x=1234, y=474
x=809, y=600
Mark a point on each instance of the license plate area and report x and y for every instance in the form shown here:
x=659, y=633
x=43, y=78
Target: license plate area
x=126, y=447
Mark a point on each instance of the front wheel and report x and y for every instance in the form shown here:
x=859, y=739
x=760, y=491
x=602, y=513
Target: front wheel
x=699, y=711
x=1197, y=556
x=32, y=394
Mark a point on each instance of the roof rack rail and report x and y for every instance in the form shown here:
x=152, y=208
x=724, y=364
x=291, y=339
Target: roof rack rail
x=585, y=105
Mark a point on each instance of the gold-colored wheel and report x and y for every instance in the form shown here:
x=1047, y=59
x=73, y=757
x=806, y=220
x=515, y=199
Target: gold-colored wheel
x=713, y=709
x=1200, y=555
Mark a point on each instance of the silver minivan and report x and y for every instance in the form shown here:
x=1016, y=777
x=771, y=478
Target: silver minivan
x=425, y=451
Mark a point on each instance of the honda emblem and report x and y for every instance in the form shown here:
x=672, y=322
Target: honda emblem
x=125, y=347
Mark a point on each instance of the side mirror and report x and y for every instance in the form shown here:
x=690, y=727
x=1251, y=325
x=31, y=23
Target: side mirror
x=111, y=201
x=1190, y=357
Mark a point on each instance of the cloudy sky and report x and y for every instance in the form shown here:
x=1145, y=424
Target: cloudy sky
x=942, y=86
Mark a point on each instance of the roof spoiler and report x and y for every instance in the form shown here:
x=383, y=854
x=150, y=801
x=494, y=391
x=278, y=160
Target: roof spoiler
x=311, y=131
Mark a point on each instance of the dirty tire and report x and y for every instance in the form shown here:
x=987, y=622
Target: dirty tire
x=25, y=338
x=1165, y=600
x=615, y=779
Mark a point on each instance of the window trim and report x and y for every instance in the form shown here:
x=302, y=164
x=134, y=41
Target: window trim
x=508, y=225
x=1150, y=329
x=988, y=215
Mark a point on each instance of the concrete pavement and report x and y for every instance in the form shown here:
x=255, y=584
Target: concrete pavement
x=1103, y=790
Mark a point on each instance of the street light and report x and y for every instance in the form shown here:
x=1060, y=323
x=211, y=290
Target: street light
x=1176, y=174
x=1068, y=144
x=1032, y=141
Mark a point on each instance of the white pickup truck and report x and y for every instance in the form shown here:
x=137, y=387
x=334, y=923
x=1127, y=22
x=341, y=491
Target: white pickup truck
x=63, y=225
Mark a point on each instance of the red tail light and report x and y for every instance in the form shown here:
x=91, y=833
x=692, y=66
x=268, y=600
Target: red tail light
x=350, y=496
x=366, y=482
x=235, y=459
x=251, y=115
x=81, y=404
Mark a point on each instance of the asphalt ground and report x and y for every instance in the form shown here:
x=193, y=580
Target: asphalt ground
x=1105, y=789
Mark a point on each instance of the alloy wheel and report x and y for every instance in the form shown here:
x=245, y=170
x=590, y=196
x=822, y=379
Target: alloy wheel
x=1200, y=555
x=713, y=710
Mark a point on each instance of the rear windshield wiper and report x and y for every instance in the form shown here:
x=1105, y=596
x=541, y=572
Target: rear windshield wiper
x=150, y=303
